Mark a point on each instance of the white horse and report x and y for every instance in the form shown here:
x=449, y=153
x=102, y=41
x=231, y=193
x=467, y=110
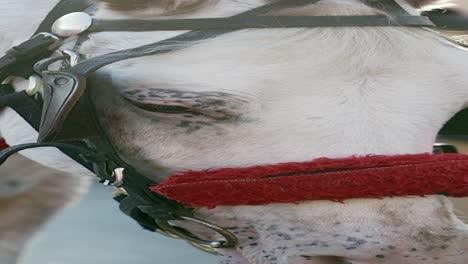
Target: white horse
x=287, y=95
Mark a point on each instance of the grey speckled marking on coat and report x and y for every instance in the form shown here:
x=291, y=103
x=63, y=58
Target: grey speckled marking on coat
x=354, y=243
x=228, y=259
x=215, y=105
x=427, y=236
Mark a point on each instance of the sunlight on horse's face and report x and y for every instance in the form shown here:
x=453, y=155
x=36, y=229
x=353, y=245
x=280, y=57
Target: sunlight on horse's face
x=278, y=95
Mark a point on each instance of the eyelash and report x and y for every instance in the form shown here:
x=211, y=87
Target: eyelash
x=168, y=7
x=218, y=115
x=125, y=5
x=173, y=109
x=167, y=109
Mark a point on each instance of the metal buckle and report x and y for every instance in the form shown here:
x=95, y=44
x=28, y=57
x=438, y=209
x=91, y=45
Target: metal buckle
x=71, y=57
x=56, y=39
x=173, y=230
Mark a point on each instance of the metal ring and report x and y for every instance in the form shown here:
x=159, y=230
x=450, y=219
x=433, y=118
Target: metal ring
x=167, y=233
x=9, y=79
x=204, y=248
x=199, y=246
x=230, y=239
x=34, y=86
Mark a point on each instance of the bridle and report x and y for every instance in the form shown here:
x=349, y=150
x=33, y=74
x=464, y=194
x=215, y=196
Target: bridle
x=58, y=105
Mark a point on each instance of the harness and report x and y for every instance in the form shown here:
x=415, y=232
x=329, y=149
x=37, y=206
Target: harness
x=58, y=105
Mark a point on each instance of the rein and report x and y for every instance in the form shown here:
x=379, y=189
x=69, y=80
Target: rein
x=58, y=105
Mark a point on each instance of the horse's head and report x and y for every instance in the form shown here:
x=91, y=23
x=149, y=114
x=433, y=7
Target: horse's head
x=267, y=96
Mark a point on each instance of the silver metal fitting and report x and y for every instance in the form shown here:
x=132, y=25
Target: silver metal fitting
x=72, y=24
x=118, y=175
x=57, y=40
x=74, y=57
x=34, y=87
x=118, y=178
x=9, y=79
x=229, y=241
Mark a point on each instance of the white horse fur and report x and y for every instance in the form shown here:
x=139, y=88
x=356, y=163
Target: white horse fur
x=282, y=95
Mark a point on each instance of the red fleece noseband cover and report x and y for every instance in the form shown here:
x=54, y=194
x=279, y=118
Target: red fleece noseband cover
x=3, y=144
x=321, y=179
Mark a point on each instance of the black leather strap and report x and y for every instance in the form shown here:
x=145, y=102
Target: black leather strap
x=135, y=184
x=93, y=64
x=26, y=106
x=258, y=22
x=399, y=17
x=19, y=60
x=252, y=18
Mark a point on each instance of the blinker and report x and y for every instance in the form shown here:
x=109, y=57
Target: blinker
x=67, y=111
x=72, y=24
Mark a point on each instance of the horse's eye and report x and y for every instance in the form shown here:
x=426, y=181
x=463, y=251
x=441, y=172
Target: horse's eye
x=155, y=6
x=167, y=109
x=218, y=106
x=125, y=5
x=184, y=111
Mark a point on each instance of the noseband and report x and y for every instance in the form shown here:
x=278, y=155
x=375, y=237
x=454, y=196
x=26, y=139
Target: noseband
x=58, y=104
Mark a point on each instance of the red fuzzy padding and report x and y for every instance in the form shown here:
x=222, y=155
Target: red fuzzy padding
x=321, y=179
x=3, y=144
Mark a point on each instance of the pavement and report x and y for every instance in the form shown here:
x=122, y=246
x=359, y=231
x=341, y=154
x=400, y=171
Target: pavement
x=95, y=231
